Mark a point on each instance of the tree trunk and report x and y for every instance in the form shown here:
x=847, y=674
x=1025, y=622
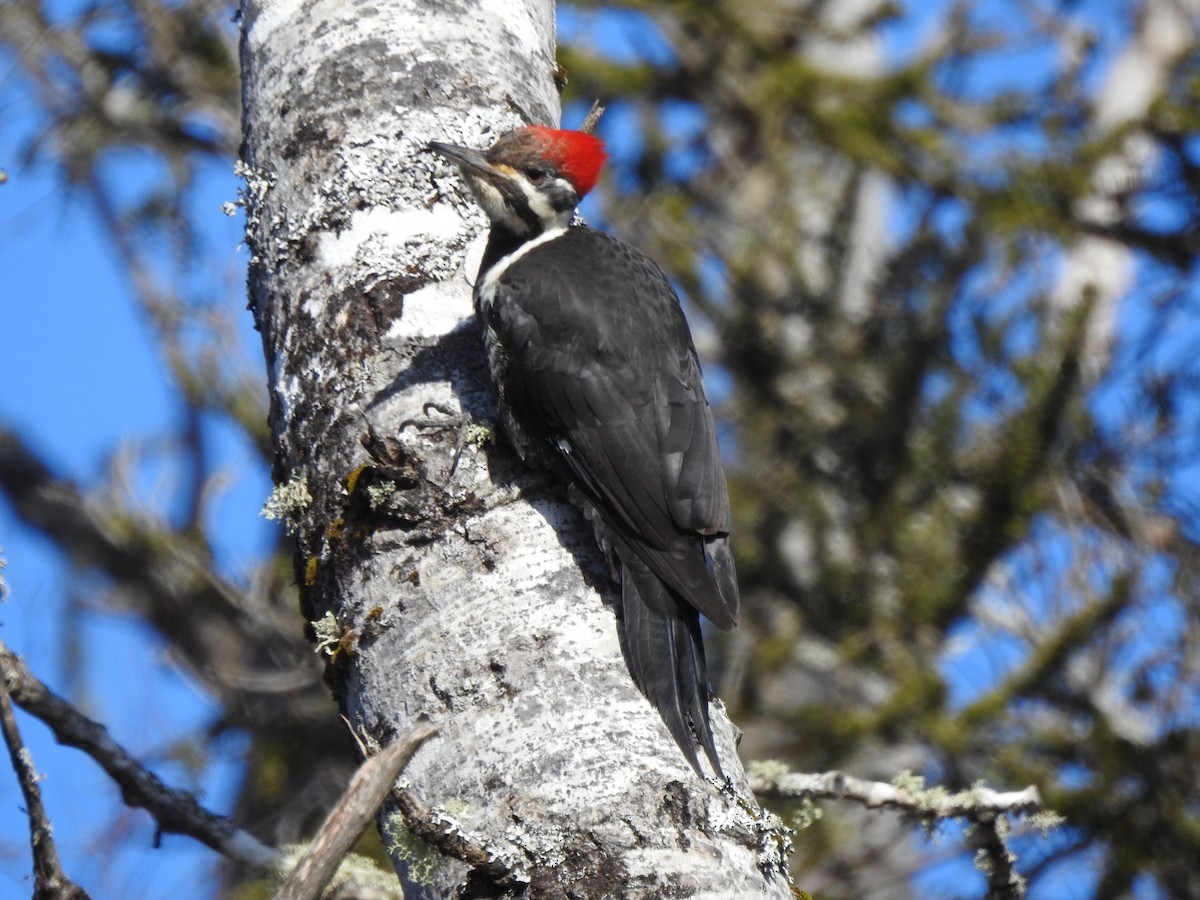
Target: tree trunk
x=441, y=579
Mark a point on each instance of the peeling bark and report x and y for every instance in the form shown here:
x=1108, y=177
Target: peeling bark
x=441, y=579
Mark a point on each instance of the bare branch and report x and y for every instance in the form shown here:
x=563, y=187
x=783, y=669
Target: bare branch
x=349, y=818
x=983, y=807
x=907, y=794
x=50, y=881
x=175, y=811
x=214, y=625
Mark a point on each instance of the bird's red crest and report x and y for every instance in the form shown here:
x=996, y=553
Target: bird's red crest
x=580, y=155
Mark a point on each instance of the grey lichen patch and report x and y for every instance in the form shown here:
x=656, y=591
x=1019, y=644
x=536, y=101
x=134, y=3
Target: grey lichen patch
x=983, y=862
x=804, y=814
x=357, y=876
x=926, y=800
x=252, y=196
x=768, y=769
x=333, y=641
x=369, y=205
x=543, y=844
x=1046, y=821
x=479, y=433
x=774, y=843
x=328, y=633
x=420, y=859
x=287, y=502
x=3, y=583
x=379, y=494
x=730, y=813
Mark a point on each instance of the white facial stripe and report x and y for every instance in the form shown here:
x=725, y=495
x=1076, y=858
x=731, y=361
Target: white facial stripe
x=537, y=202
x=540, y=204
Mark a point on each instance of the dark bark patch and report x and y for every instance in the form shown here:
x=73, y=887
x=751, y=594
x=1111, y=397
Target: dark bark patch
x=370, y=311
x=587, y=873
x=499, y=672
x=441, y=693
x=310, y=138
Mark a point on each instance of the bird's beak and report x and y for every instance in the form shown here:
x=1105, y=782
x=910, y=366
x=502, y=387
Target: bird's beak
x=470, y=161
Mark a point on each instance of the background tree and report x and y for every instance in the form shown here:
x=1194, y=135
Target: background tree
x=947, y=260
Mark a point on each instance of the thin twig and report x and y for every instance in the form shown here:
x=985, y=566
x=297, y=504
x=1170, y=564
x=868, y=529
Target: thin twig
x=349, y=818
x=592, y=119
x=175, y=811
x=50, y=881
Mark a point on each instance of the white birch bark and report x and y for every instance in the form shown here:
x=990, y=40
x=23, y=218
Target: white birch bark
x=440, y=591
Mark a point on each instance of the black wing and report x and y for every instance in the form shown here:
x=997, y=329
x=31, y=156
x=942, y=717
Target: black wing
x=599, y=365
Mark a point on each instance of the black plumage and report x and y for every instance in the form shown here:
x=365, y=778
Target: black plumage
x=597, y=374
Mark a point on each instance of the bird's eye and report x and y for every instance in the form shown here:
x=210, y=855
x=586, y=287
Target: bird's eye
x=537, y=176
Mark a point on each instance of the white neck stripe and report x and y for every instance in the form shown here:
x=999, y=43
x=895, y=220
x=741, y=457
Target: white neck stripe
x=486, y=289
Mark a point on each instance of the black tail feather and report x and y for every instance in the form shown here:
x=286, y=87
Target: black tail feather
x=719, y=559
x=661, y=639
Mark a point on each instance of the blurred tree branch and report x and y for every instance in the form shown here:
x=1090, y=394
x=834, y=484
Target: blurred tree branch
x=175, y=811
x=50, y=881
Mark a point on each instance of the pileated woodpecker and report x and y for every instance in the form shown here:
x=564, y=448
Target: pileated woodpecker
x=598, y=380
